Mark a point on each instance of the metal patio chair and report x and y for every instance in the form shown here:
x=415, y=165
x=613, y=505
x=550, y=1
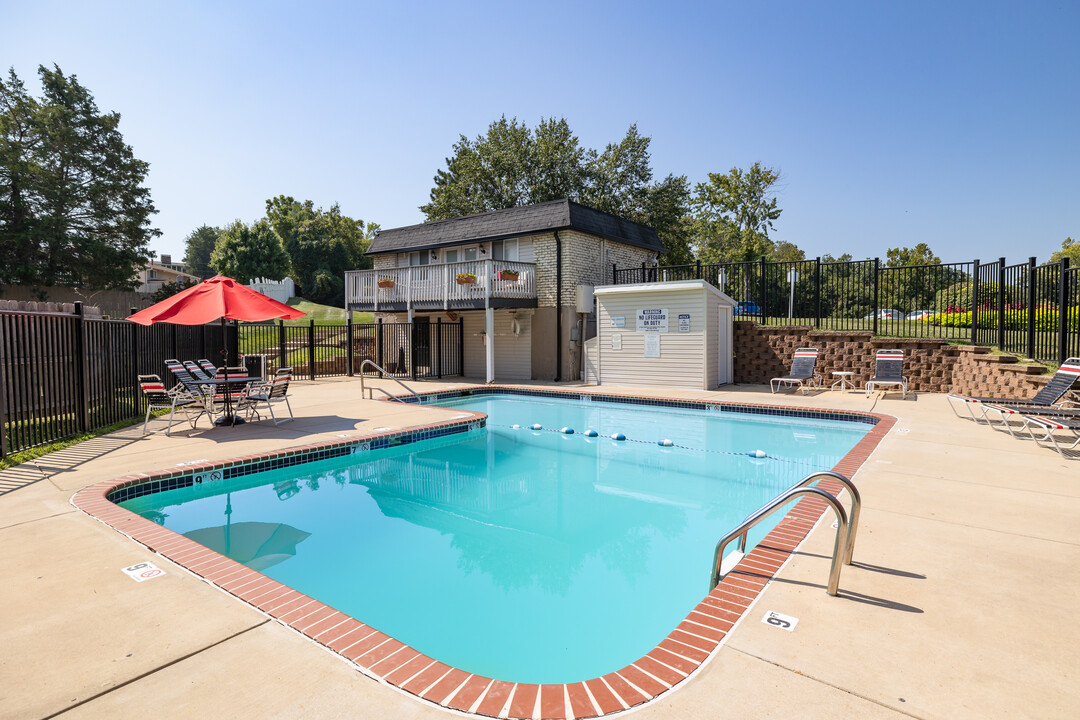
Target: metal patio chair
x=802, y=373
x=888, y=372
x=1057, y=393
x=274, y=391
x=196, y=371
x=158, y=398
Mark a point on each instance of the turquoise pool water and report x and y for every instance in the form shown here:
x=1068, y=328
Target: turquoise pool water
x=528, y=556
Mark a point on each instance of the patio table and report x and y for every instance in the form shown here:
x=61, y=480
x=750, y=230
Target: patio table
x=229, y=384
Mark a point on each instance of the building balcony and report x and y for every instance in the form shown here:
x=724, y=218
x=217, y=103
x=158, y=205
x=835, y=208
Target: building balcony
x=469, y=285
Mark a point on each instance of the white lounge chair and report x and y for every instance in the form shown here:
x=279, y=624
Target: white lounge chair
x=802, y=372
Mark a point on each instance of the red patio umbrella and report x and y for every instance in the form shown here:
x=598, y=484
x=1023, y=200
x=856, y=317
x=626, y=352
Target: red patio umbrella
x=219, y=298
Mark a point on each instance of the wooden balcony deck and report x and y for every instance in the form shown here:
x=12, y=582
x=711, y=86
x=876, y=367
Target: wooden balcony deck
x=451, y=286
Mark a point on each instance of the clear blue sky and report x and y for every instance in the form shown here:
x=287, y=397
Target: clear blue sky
x=892, y=123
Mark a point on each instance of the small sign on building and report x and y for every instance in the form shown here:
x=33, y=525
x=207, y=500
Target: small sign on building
x=652, y=345
x=618, y=321
x=616, y=341
x=652, y=320
x=684, y=322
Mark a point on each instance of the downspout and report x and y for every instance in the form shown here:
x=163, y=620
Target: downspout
x=558, y=307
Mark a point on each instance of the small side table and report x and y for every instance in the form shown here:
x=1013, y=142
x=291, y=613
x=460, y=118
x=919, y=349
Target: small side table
x=843, y=380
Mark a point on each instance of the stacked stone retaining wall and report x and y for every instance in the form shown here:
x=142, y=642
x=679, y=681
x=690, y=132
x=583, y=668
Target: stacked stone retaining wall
x=763, y=352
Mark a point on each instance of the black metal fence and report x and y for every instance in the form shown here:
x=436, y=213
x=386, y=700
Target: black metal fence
x=1027, y=309
x=63, y=374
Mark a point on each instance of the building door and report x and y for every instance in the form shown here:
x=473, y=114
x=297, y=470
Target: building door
x=421, y=344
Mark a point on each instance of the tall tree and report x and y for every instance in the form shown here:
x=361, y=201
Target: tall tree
x=199, y=246
x=322, y=245
x=513, y=165
x=734, y=213
x=75, y=211
x=1069, y=249
x=921, y=254
x=246, y=252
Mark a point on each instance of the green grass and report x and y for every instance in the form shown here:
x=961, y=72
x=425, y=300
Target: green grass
x=34, y=453
x=324, y=314
x=300, y=356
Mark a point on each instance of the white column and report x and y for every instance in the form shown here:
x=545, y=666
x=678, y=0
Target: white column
x=489, y=345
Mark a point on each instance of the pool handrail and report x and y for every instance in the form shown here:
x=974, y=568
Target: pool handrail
x=769, y=508
x=373, y=364
x=856, y=504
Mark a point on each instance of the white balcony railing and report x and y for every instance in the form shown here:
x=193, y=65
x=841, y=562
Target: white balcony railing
x=450, y=285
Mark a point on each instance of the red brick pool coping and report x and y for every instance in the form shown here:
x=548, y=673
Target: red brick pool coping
x=382, y=657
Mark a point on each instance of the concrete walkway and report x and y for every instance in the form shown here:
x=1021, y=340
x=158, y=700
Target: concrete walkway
x=959, y=605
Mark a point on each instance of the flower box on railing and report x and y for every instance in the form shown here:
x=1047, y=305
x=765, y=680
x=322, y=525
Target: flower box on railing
x=510, y=275
x=466, y=278
x=386, y=283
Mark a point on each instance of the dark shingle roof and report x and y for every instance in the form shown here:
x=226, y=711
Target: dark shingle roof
x=513, y=222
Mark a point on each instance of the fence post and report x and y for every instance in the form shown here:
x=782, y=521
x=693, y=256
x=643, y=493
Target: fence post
x=311, y=349
x=817, y=295
x=764, y=291
x=82, y=368
x=1063, y=311
x=281, y=344
x=438, y=349
x=379, y=342
x=348, y=344
x=975, y=302
x=135, y=350
x=1031, y=309
x=643, y=272
x=1001, y=305
x=412, y=332
x=699, y=269
x=176, y=348
x=4, y=372
x=877, y=292
x=614, y=274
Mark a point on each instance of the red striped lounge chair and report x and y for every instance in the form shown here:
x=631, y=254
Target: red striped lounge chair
x=1058, y=392
x=1050, y=425
x=888, y=372
x=802, y=373
x=158, y=398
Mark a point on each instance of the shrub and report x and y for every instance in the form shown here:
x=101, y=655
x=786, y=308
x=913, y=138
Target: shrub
x=959, y=295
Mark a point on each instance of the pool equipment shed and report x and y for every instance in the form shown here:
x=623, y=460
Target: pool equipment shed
x=673, y=334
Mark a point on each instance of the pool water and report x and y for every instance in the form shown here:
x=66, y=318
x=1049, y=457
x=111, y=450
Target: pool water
x=527, y=556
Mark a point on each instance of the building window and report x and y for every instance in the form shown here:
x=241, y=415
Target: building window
x=469, y=254
x=505, y=250
x=419, y=258
x=450, y=256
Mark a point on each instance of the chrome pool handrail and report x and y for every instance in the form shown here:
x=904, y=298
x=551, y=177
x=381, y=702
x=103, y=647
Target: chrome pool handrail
x=769, y=508
x=856, y=504
x=373, y=364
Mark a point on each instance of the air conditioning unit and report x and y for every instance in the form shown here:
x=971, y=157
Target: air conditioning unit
x=585, y=299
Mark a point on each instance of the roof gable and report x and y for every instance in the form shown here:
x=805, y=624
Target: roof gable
x=514, y=222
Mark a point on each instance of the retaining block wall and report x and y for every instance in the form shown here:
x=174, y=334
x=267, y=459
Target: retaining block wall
x=762, y=353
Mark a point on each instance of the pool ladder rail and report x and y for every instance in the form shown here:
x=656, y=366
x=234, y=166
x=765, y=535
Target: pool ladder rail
x=843, y=546
x=369, y=392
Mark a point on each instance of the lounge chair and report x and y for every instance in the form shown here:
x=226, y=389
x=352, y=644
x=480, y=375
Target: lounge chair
x=1056, y=392
x=269, y=393
x=208, y=367
x=181, y=373
x=1049, y=425
x=196, y=371
x=802, y=372
x=158, y=398
x=888, y=372
x=1023, y=413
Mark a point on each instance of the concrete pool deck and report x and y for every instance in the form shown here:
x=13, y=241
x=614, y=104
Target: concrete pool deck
x=958, y=606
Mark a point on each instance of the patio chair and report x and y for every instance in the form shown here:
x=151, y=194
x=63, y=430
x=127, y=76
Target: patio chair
x=196, y=371
x=802, y=372
x=1056, y=392
x=190, y=383
x=208, y=367
x=158, y=398
x=1023, y=413
x=274, y=391
x=888, y=372
x=1049, y=425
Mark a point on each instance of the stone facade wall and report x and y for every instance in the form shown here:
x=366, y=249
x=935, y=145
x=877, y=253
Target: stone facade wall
x=762, y=353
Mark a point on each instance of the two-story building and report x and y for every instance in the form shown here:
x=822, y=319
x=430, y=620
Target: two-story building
x=164, y=271
x=519, y=279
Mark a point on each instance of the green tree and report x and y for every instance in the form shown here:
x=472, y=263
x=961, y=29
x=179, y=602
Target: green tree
x=199, y=247
x=74, y=210
x=1069, y=249
x=245, y=253
x=322, y=245
x=512, y=165
x=733, y=214
x=921, y=254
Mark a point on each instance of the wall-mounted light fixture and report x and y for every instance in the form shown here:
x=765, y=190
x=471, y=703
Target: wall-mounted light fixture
x=483, y=250
x=434, y=255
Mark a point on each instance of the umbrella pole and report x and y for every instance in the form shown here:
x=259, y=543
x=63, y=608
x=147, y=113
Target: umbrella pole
x=228, y=418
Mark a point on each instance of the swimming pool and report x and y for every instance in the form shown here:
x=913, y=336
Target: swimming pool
x=531, y=556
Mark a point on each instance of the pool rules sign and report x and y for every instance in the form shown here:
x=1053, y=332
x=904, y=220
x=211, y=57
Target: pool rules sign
x=652, y=320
